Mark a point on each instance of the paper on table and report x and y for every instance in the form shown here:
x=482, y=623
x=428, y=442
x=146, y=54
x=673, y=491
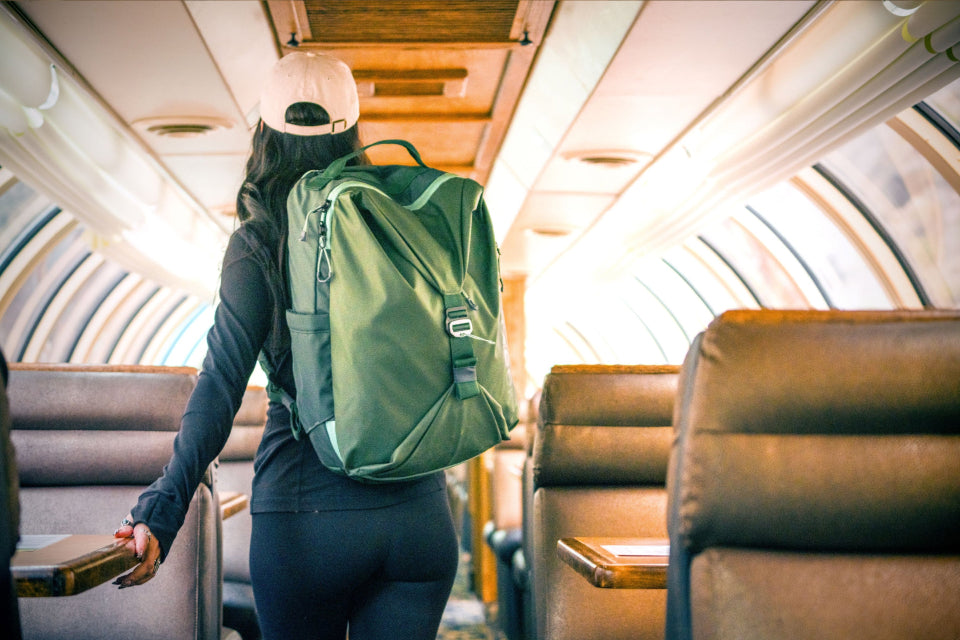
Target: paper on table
x=638, y=549
x=35, y=542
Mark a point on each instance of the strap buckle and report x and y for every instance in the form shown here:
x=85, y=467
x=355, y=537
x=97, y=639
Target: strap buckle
x=458, y=324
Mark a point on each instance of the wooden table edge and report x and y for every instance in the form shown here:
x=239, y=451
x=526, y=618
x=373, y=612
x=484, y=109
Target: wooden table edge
x=232, y=503
x=75, y=575
x=602, y=569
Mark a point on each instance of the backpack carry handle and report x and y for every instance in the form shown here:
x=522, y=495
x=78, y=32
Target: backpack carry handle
x=335, y=168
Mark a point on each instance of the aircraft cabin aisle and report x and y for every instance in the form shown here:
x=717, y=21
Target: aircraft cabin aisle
x=649, y=165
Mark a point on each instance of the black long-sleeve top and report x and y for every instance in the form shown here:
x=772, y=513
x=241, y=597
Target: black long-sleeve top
x=288, y=475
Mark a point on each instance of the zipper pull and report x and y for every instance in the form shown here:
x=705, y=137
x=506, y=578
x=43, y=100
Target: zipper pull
x=323, y=254
x=322, y=209
x=322, y=225
x=470, y=303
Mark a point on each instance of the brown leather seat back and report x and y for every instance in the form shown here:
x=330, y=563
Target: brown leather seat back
x=815, y=484
x=599, y=468
x=235, y=473
x=89, y=439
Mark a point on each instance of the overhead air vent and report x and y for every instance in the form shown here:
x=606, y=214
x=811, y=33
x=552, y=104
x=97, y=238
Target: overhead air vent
x=181, y=126
x=551, y=232
x=612, y=158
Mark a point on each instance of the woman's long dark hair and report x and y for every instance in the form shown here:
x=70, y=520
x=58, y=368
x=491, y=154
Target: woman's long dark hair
x=276, y=162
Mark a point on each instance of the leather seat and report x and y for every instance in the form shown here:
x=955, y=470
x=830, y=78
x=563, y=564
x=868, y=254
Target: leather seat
x=815, y=482
x=598, y=468
x=88, y=441
x=9, y=524
x=235, y=473
x=504, y=532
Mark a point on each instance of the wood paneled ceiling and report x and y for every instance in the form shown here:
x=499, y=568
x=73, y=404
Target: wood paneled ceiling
x=445, y=76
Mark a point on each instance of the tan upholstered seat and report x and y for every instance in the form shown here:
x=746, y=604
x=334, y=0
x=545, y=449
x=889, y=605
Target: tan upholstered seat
x=508, y=459
x=9, y=516
x=599, y=468
x=815, y=481
x=88, y=441
x=503, y=532
x=235, y=473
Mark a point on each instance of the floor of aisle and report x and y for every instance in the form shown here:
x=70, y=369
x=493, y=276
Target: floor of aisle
x=466, y=617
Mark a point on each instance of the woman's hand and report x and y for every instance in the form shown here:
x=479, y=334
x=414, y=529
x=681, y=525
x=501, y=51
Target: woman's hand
x=145, y=546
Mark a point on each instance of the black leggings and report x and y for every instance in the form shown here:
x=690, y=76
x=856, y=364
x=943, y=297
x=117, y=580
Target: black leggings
x=386, y=572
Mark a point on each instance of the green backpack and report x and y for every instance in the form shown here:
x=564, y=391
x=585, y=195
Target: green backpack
x=399, y=355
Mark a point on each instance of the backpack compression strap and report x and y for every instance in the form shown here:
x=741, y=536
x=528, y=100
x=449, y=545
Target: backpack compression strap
x=464, y=362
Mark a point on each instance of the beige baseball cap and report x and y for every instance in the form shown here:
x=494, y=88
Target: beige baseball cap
x=310, y=77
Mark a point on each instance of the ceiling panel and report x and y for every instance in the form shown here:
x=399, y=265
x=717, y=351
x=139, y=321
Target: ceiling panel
x=411, y=21
x=472, y=78
x=592, y=169
x=441, y=144
x=151, y=47
x=443, y=75
x=169, y=73
x=675, y=61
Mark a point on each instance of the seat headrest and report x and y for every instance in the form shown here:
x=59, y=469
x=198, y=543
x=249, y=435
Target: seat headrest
x=828, y=372
x=605, y=425
x=242, y=444
x=248, y=427
x=78, y=397
x=253, y=408
x=95, y=424
x=821, y=430
x=610, y=395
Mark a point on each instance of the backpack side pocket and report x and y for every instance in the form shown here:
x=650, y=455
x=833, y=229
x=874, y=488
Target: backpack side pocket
x=310, y=340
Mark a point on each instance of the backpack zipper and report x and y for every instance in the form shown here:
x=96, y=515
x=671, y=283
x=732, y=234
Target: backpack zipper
x=323, y=211
x=323, y=251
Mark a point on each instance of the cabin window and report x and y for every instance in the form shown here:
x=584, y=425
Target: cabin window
x=946, y=103
x=912, y=202
x=185, y=342
x=683, y=302
x=713, y=279
x=840, y=273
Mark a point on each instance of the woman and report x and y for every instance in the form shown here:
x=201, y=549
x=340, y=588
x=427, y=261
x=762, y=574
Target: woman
x=326, y=552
